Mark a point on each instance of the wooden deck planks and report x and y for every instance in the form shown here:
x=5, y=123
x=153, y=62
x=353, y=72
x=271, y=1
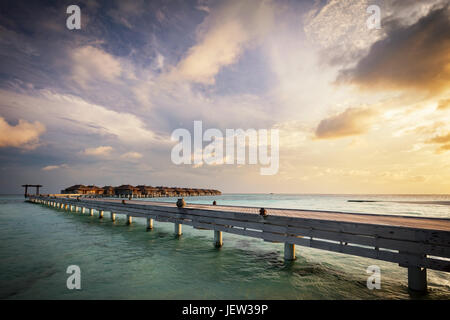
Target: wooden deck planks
x=388, y=220
x=408, y=241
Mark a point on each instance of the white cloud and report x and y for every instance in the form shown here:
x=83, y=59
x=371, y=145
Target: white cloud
x=67, y=112
x=54, y=167
x=91, y=64
x=222, y=37
x=98, y=152
x=340, y=29
x=23, y=135
x=132, y=155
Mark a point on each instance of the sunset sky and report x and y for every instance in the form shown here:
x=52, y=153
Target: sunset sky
x=358, y=110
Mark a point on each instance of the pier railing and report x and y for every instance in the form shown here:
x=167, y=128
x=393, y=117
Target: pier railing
x=415, y=243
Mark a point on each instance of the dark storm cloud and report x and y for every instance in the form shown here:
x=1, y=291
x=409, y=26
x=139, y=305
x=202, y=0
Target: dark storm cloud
x=415, y=56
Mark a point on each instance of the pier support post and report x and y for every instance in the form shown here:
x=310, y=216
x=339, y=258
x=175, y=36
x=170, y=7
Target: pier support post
x=71, y=208
x=83, y=210
x=289, y=251
x=149, y=224
x=100, y=214
x=218, y=239
x=113, y=216
x=417, y=279
x=91, y=212
x=177, y=229
x=66, y=207
x=129, y=219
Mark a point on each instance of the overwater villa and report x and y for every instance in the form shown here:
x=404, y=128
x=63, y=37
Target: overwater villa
x=140, y=191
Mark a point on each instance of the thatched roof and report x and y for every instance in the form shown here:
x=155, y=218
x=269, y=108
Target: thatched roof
x=76, y=187
x=126, y=187
x=141, y=188
x=92, y=187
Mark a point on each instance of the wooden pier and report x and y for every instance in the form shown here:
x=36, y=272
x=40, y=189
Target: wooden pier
x=26, y=186
x=415, y=243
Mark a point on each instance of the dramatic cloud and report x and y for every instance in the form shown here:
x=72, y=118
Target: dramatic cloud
x=222, y=37
x=67, y=112
x=98, y=152
x=352, y=121
x=23, y=135
x=412, y=57
x=109, y=95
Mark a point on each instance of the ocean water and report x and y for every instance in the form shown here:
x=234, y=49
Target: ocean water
x=117, y=261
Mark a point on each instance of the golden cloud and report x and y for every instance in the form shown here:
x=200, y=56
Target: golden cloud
x=23, y=135
x=443, y=141
x=132, y=156
x=54, y=167
x=444, y=104
x=352, y=121
x=99, y=151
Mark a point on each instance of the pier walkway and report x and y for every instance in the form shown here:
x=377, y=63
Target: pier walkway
x=415, y=243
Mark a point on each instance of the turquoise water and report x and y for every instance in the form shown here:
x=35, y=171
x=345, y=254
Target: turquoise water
x=117, y=261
